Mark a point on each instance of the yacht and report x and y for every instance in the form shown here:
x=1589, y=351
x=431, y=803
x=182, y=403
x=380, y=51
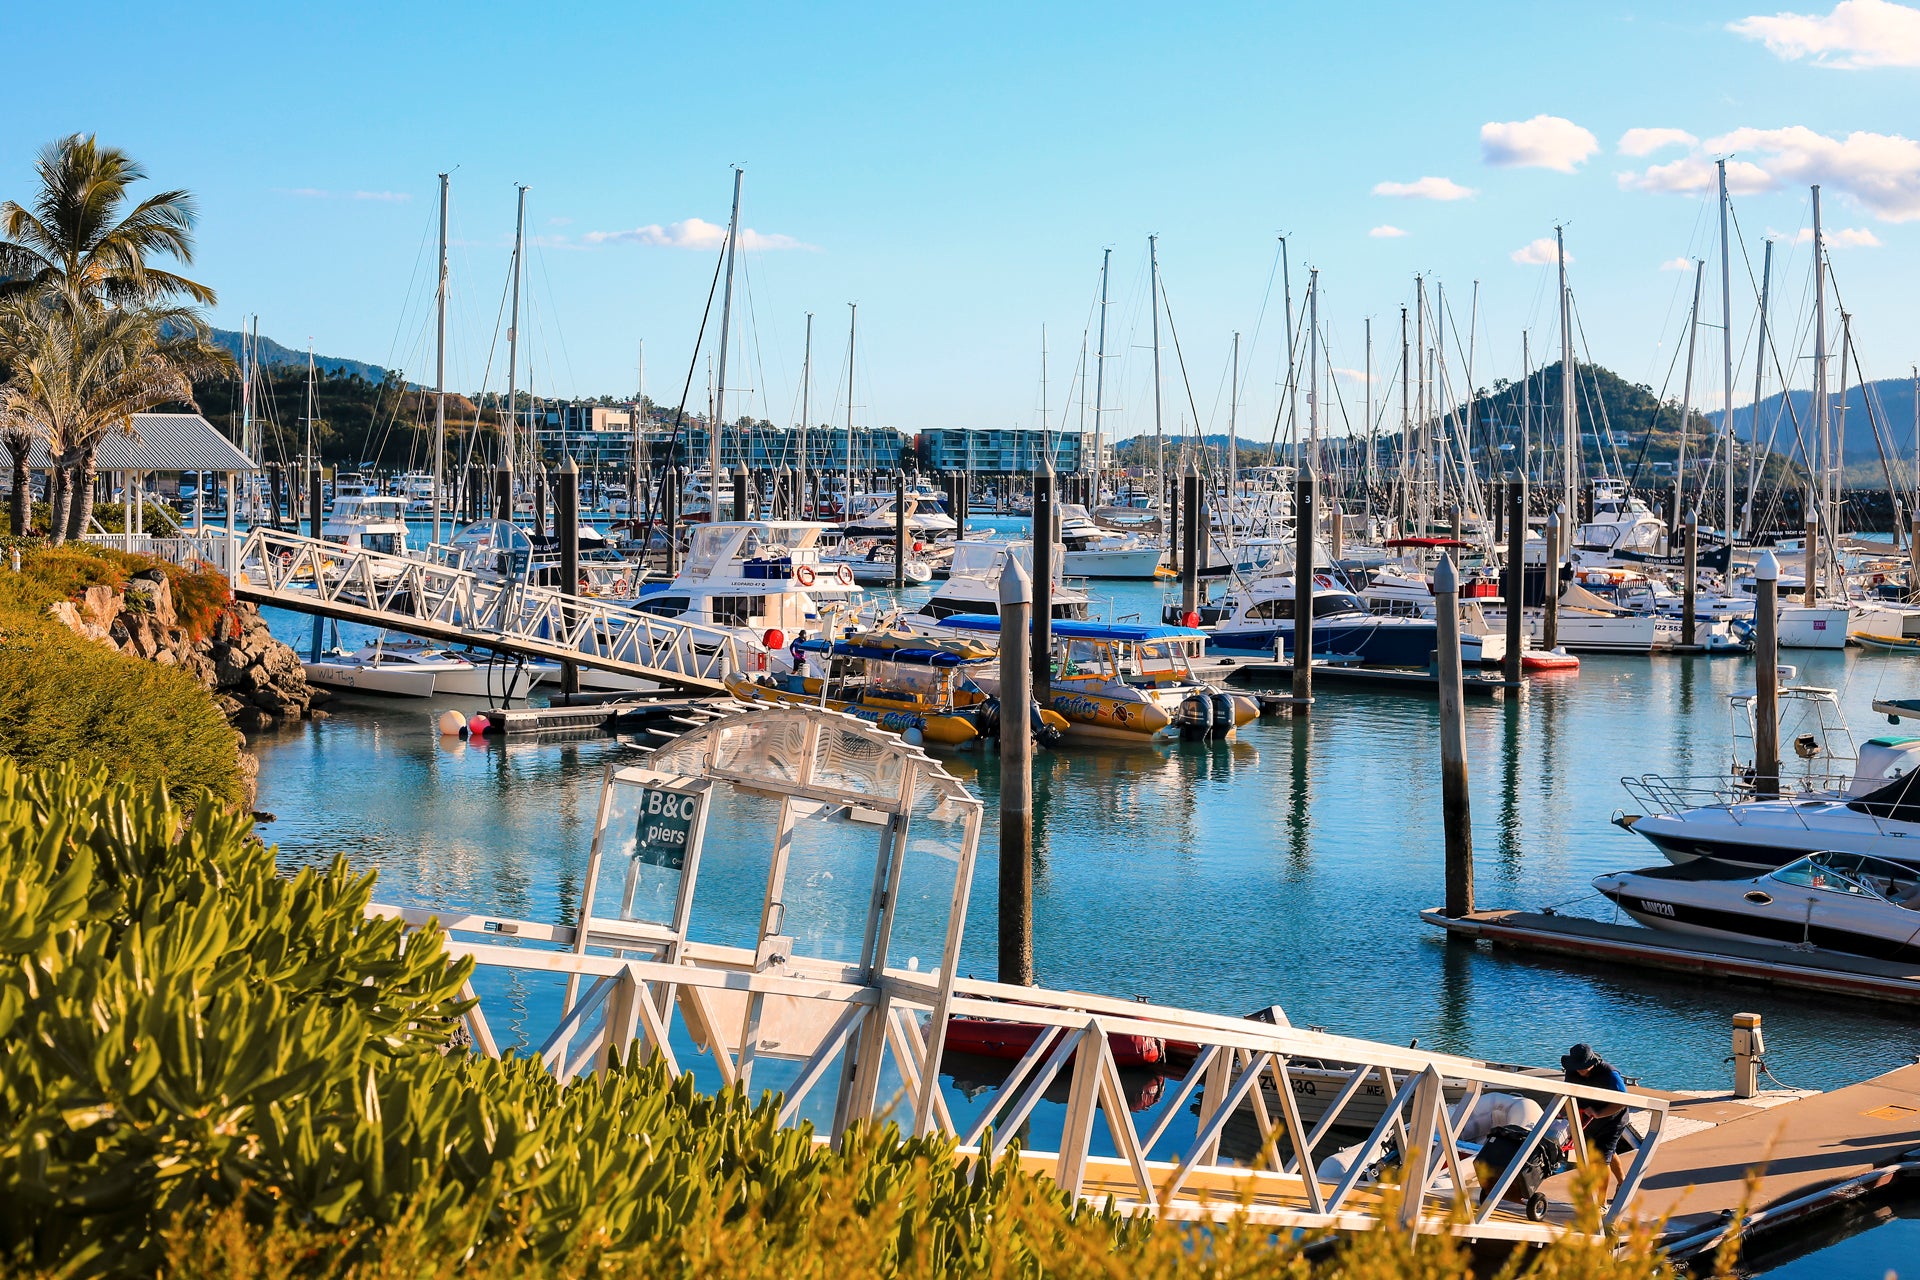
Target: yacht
x=1259, y=620
x=1848, y=902
x=925, y=520
x=1623, y=527
x=417, y=488
x=762, y=581
x=871, y=560
x=1094, y=552
x=973, y=585
x=367, y=522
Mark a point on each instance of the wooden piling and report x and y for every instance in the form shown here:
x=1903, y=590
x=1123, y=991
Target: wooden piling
x=1170, y=497
x=1690, y=577
x=961, y=497
x=670, y=515
x=1337, y=531
x=1913, y=560
x=1041, y=594
x=1499, y=512
x=1457, y=817
x=1550, y=605
x=540, y=505
x=503, y=493
x=1189, y=542
x=316, y=516
x=567, y=516
x=1017, y=624
x=1766, y=676
x=899, y=530
x=739, y=495
x=1303, y=521
x=1516, y=588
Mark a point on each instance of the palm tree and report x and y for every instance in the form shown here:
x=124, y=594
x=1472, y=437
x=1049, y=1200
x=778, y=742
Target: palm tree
x=78, y=373
x=76, y=238
x=79, y=247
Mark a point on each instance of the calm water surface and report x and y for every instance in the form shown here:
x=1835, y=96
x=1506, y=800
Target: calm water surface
x=1287, y=867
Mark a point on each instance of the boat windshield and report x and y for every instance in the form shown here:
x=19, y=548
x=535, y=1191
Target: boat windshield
x=1164, y=659
x=1857, y=875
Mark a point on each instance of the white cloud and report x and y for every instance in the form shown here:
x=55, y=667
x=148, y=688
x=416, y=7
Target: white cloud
x=1694, y=175
x=1354, y=375
x=1544, y=142
x=1858, y=33
x=1425, y=189
x=387, y=197
x=1841, y=237
x=1879, y=170
x=693, y=233
x=1677, y=264
x=1644, y=142
x=1542, y=252
x=1386, y=231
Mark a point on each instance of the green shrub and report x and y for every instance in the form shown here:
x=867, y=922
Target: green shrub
x=207, y=1069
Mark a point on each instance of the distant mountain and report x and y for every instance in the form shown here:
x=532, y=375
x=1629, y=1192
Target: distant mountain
x=272, y=355
x=1890, y=400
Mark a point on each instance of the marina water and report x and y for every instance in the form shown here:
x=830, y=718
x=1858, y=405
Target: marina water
x=1286, y=867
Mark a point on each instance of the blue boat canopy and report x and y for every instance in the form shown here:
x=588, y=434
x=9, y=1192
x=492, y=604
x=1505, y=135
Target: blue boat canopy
x=1072, y=629
x=913, y=657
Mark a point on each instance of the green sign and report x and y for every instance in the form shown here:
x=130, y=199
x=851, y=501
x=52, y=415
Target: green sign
x=665, y=829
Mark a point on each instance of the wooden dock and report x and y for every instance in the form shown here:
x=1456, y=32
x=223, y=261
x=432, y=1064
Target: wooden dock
x=1827, y=972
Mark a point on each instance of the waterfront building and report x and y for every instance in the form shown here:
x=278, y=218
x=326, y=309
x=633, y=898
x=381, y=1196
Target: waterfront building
x=999, y=451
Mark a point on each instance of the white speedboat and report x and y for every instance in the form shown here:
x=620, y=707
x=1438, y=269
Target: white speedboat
x=412, y=668
x=498, y=677
x=1847, y=902
x=872, y=562
x=925, y=521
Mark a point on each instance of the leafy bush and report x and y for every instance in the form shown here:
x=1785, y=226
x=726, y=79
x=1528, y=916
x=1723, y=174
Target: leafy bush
x=210, y=1070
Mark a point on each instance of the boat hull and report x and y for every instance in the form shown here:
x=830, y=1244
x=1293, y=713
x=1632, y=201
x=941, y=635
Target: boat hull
x=1766, y=835
x=1143, y=563
x=1375, y=641
x=394, y=681
x=1765, y=910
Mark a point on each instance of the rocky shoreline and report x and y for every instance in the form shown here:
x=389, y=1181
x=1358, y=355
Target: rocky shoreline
x=256, y=680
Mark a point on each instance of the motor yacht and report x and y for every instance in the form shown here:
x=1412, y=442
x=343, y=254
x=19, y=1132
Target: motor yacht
x=1094, y=552
x=1259, y=618
x=1848, y=902
x=973, y=584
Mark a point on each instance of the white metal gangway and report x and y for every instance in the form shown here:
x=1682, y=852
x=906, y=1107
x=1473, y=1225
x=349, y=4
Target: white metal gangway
x=450, y=603
x=839, y=995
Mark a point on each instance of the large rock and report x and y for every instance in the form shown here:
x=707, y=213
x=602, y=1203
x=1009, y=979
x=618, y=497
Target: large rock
x=153, y=596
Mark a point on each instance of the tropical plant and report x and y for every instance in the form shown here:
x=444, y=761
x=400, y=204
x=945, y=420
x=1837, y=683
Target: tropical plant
x=79, y=248
x=78, y=373
x=76, y=238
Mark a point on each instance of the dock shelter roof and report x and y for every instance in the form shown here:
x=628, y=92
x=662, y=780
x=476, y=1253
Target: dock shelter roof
x=160, y=442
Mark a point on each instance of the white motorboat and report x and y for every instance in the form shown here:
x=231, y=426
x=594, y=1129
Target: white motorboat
x=358, y=673
x=498, y=677
x=761, y=582
x=872, y=562
x=1623, y=528
x=1847, y=902
x=417, y=669
x=1094, y=552
x=1258, y=619
x=925, y=521
x=973, y=584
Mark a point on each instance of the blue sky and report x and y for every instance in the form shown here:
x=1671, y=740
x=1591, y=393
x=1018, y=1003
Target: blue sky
x=958, y=171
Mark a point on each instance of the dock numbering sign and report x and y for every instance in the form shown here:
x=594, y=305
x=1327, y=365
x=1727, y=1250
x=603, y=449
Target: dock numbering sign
x=668, y=819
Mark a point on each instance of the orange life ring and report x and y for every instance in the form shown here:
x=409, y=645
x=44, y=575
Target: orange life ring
x=846, y=575
x=1322, y=580
x=803, y=574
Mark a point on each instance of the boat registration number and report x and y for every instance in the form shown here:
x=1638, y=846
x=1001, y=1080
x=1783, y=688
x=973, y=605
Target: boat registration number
x=1657, y=908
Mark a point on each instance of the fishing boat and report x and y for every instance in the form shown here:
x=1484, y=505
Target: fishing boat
x=1847, y=902
x=925, y=688
x=1127, y=682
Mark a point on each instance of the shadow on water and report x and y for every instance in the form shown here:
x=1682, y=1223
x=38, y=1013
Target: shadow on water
x=1877, y=1236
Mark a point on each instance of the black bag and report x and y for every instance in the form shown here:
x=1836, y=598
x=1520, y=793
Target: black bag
x=1501, y=1146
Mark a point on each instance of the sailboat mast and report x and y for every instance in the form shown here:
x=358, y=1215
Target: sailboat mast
x=1526, y=402
x=1686, y=399
x=1043, y=385
x=1759, y=371
x=806, y=413
x=1313, y=367
x=1100, y=379
x=1820, y=375
x=1726, y=356
x=440, y=367
x=1293, y=380
x=726, y=316
x=1233, y=430
x=307, y=462
x=1569, y=428
x=513, y=339
x=1406, y=419
x=1423, y=457
x=846, y=505
x=1159, y=440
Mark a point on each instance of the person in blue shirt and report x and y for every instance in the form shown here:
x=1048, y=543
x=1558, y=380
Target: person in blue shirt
x=1604, y=1123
